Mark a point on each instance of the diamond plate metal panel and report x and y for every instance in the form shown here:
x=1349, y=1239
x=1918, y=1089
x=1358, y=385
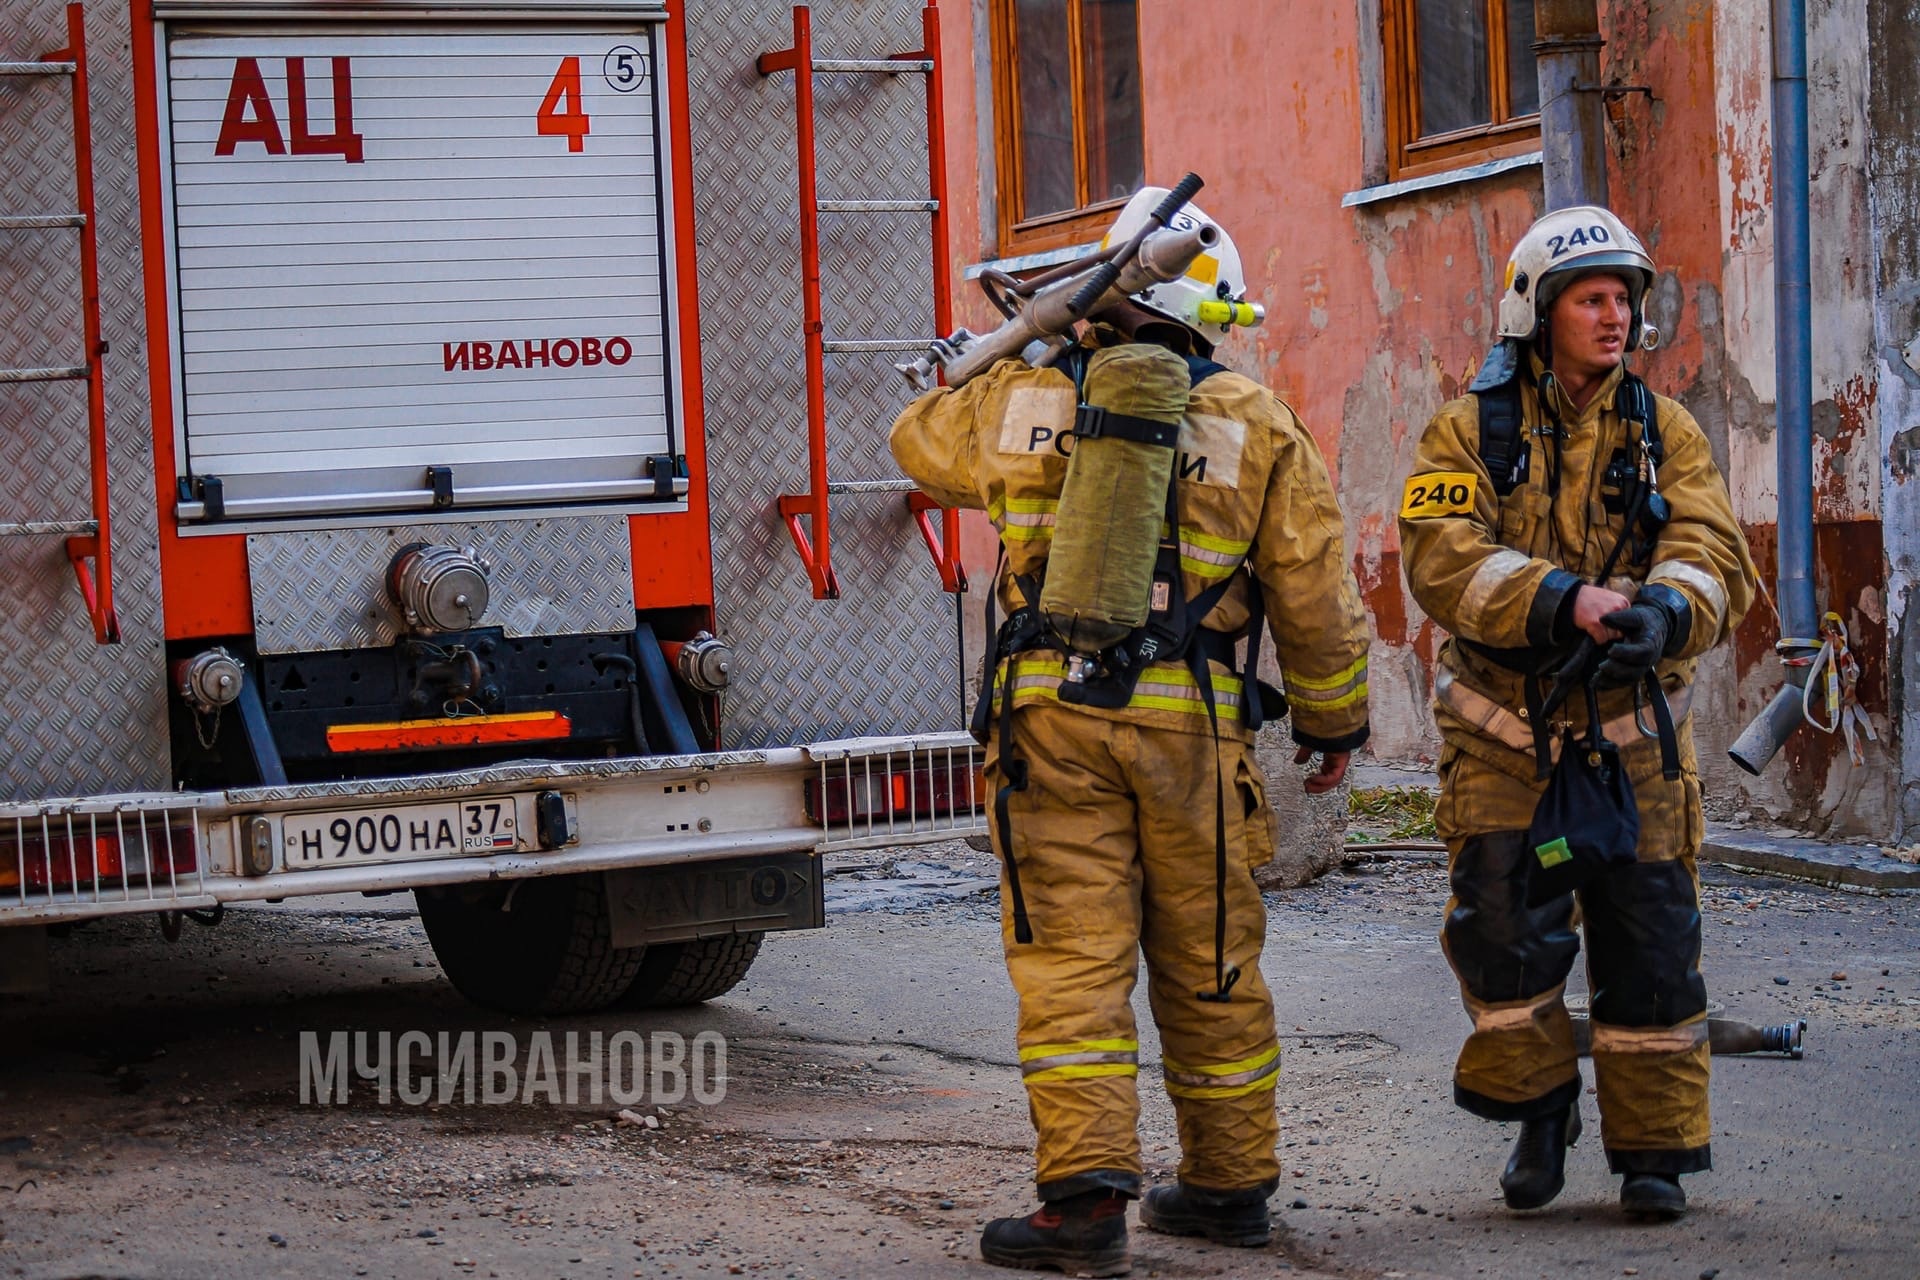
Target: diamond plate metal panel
x=885, y=657
x=75, y=717
x=327, y=590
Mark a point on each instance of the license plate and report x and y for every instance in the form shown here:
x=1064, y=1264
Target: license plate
x=401, y=832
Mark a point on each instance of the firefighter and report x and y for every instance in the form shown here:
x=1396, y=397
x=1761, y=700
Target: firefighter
x=1560, y=502
x=1134, y=826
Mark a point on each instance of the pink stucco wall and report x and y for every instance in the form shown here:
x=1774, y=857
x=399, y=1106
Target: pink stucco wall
x=1378, y=314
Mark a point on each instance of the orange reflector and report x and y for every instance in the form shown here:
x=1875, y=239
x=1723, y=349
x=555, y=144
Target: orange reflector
x=463, y=731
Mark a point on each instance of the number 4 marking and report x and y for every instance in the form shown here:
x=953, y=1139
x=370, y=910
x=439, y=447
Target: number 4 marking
x=571, y=122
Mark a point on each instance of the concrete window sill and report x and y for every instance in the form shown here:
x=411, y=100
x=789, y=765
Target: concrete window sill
x=1432, y=181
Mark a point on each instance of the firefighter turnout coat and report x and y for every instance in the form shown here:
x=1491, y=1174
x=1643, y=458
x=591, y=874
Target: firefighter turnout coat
x=1497, y=574
x=1114, y=834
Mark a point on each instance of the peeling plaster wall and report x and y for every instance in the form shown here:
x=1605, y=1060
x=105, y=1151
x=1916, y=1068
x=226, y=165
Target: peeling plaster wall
x=1379, y=314
x=1894, y=155
x=1812, y=786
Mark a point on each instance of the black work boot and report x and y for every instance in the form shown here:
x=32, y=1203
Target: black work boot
x=1083, y=1235
x=1537, y=1170
x=1656, y=1197
x=1235, y=1218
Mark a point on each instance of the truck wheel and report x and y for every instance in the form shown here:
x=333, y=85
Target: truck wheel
x=539, y=946
x=689, y=972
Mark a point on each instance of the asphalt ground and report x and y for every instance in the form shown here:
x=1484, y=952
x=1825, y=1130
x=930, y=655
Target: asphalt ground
x=151, y=1123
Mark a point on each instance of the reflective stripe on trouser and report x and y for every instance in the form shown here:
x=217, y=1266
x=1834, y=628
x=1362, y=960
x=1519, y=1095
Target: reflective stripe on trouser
x=1114, y=837
x=1642, y=926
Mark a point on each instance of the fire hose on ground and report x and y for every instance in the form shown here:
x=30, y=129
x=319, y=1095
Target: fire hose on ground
x=1724, y=1035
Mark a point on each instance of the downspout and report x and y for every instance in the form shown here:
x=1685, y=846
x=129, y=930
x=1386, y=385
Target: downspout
x=1793, y=378
x=1572, y=129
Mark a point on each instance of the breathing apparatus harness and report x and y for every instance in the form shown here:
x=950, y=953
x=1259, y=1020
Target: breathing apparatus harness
x=1630, y=485
x=1172, y=632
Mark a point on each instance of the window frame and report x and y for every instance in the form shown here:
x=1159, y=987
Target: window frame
x=1067, y=227
x=1409, y=154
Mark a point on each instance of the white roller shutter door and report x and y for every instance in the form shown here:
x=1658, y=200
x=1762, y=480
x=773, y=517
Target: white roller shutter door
x=446, y=251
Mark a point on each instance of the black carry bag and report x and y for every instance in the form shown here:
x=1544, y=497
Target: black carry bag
x=1587, y=819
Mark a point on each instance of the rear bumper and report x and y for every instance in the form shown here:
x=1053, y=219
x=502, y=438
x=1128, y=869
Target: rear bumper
x=81, y=857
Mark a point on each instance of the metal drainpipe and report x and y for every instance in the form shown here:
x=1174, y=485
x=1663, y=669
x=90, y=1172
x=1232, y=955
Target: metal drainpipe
x=1572, y=128
x=1793, y=377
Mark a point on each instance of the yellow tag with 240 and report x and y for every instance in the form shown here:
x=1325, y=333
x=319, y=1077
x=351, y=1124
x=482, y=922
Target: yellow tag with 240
x=1438, y=493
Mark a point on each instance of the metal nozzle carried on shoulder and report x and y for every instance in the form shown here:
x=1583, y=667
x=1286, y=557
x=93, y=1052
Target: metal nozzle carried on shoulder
x=1040, y=312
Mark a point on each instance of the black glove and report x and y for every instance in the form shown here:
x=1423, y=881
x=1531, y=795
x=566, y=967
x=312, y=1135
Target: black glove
x=1643, y=627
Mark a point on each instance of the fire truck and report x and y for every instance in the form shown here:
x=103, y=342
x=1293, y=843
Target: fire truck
x=447, y=455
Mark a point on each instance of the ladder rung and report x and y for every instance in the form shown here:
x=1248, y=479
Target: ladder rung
x=878, y=206
x=30, y=528
x=42, y=375
x=871, y=486
x=886, y=66
x=40, y=221
x=855, y=345
x=37, y=68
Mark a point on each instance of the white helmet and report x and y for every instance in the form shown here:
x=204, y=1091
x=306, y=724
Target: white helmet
x=1558, y=249
x=1211, y=298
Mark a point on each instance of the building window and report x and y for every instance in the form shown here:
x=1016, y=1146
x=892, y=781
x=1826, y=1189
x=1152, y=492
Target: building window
x=1461, y=85
x=1066, y=79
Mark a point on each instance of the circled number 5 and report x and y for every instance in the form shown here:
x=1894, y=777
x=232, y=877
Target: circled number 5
x=625, y=68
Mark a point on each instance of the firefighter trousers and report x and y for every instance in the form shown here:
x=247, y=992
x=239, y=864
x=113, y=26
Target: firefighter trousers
x=1648, y=1004
x=1114, y=842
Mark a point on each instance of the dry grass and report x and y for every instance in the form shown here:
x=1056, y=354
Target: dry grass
x=1391, y=813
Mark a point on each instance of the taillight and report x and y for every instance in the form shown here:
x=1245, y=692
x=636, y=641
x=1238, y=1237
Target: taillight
x=880, y=794
x=95, y=850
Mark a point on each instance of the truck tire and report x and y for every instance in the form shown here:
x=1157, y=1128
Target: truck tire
x=538, y=946
x=689, y=972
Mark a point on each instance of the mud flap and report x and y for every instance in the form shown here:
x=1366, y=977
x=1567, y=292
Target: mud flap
x=760, y=894
x=23, y=960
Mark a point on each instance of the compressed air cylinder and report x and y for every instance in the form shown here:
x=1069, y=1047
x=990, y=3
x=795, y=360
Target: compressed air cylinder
x=1106, y=536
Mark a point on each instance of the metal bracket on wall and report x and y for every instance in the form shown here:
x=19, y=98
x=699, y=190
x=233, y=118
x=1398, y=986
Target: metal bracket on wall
x=817, y=552
x=1614, y=92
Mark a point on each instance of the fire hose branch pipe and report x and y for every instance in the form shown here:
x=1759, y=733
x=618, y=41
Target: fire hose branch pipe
x=1762, y=739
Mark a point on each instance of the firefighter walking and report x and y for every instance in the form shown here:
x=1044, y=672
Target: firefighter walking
x=1129, y=811
x=1570, y=531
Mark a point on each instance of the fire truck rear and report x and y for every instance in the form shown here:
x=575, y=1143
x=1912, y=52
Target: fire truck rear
x=432, y=431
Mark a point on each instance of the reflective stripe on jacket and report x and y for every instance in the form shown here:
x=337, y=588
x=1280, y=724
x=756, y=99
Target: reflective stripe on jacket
x=1253, y=490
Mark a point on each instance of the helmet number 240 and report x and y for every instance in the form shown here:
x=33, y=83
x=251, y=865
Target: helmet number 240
x=1578, y=238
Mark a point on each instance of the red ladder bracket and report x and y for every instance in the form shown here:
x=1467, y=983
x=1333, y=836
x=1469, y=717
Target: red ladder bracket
x=795, y=507
x=944, y=545
x=81, y=551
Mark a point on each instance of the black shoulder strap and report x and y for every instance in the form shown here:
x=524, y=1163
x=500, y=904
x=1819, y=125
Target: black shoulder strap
x=1199, y=369
x=1502, y=436
x=1073, y=363
x=1633, y=402
x=1503, y=444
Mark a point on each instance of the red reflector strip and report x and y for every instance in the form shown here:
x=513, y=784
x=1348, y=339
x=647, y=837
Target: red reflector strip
x=131, y=850
x=902, y=794
x=465, y=731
